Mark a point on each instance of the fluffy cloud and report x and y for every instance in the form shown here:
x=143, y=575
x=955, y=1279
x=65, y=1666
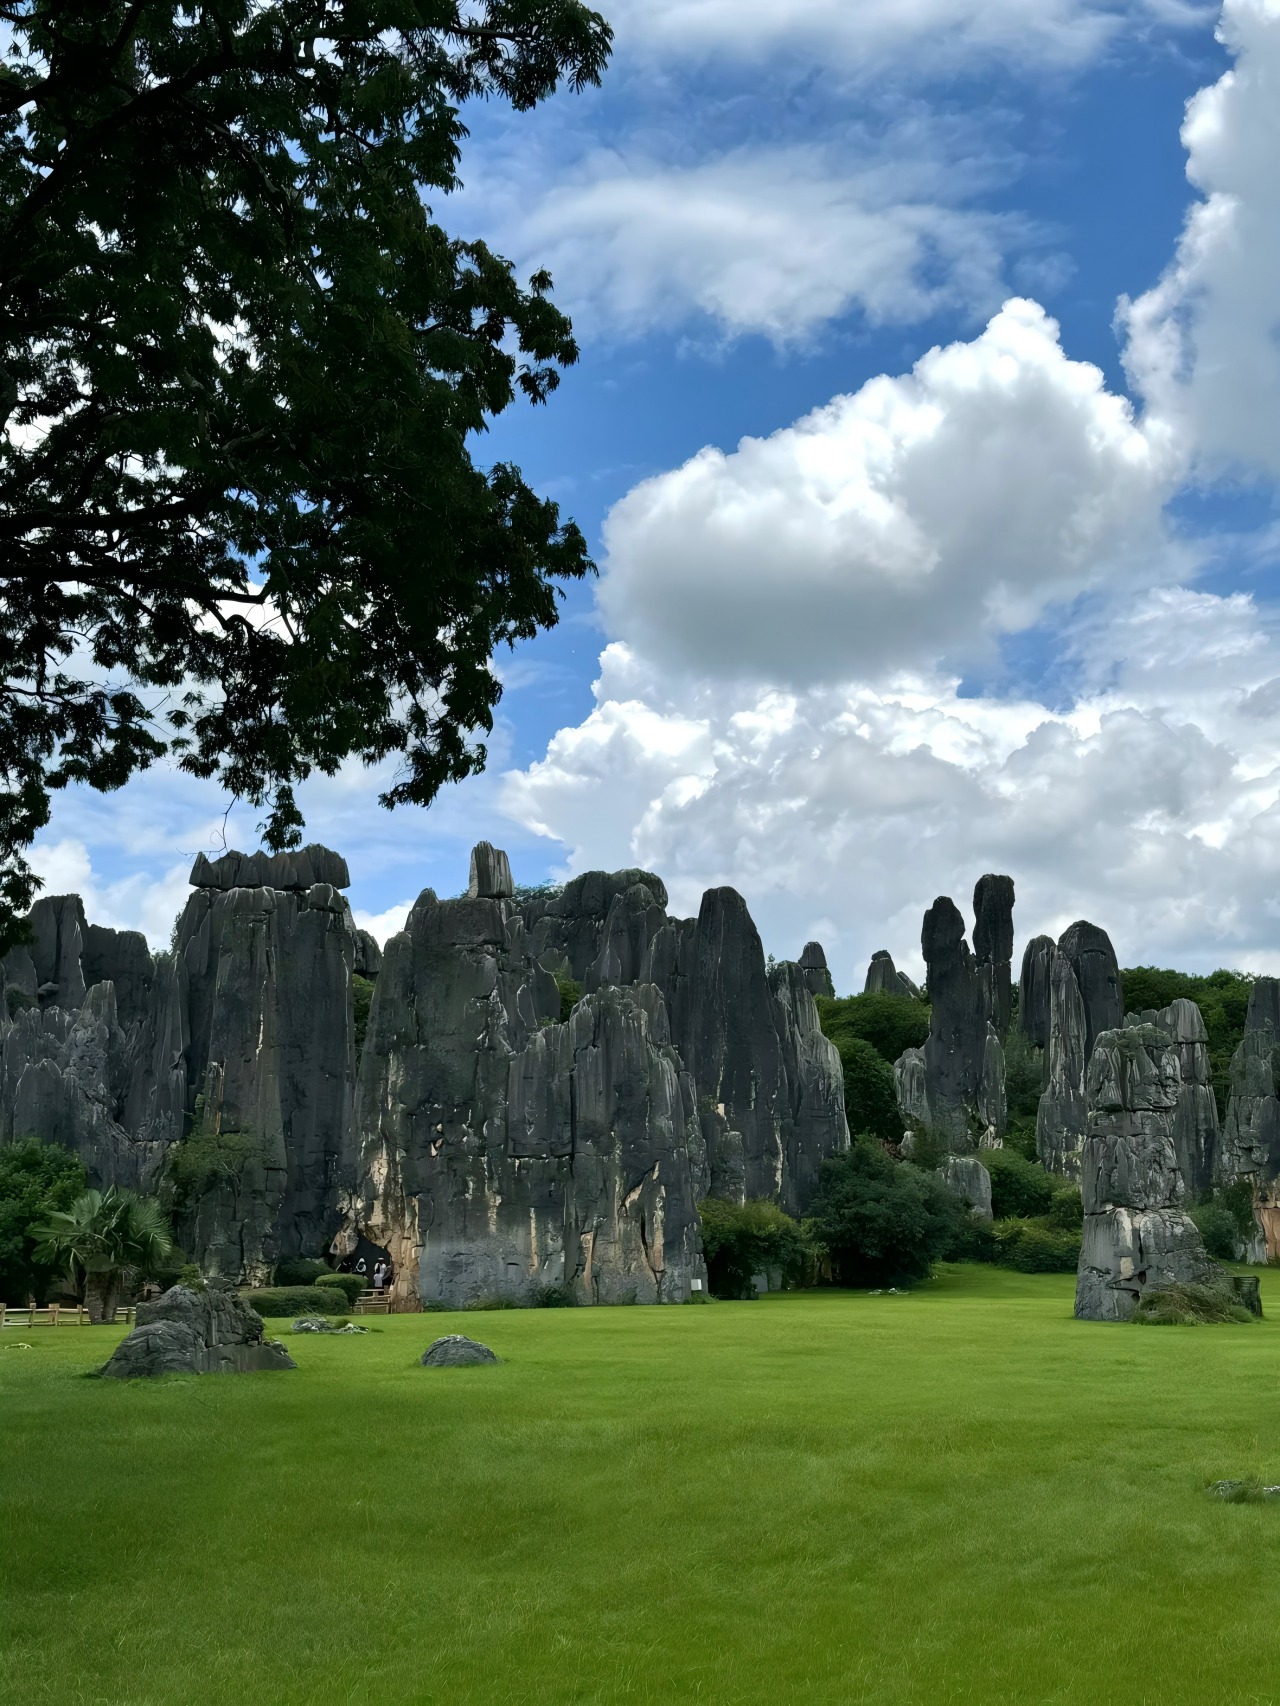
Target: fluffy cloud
x=918, y=519
x=1204, y=344
x=779, y=707
x=841, y=811
x=923, y=33
x=770, y=241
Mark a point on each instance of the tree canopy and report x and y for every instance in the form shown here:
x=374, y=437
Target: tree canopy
x=36, y=1180
x=106, y=1239
x=241, y=369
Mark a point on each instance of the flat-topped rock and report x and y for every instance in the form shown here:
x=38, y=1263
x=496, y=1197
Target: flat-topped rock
x=296, y=870
x=817, y=974
x=490, y=874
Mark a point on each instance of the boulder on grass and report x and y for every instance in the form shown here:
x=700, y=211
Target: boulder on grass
x=455, y=1350
x=193, y=1331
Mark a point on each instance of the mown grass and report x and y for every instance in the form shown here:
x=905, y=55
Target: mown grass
x=955, y=1495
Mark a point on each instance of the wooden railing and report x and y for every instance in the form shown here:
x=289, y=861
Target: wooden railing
x=56, y=1315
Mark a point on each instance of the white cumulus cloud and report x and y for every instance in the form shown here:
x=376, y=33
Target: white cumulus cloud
x=1204, y=344
x=919, y=518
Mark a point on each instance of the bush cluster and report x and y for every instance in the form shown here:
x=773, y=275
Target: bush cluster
x=878, y=1222
x=740, y=1240
x=279, y=1301
x=1190, y=1306
x=350, y=1285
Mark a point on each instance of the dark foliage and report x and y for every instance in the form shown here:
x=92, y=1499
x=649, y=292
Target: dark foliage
x=240, y=367
x=362, y=1001
x=36, y=1180
x=1223, y=1000
x=740, y=1240
x=350, y=1285
x=279, y=1302
x=1023, y=1075
x=870, y=1100
x=570, y=995
x=880, y=1221
x=1217, y=1226
x=1191, y=1306
x=1019, y=1188
x=1021, y=1136
x=300, y=1270
x=890, y=1023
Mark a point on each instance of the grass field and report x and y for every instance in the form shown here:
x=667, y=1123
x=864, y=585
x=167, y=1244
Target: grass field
x=957, y=1495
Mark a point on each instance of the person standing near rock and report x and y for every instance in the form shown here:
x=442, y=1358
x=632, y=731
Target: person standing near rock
x=379, y=1277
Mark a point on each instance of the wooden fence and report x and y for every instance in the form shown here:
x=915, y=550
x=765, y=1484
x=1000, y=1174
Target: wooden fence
x=56, y=1315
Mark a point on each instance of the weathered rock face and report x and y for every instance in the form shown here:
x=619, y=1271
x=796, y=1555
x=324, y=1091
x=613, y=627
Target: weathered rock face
x=993, y=946
x=496, y=1148
x=963, y=1061
x=490, y=874
x=1061, y=1115
x=884, y=978
x=1093, y=960
x=196, y=1332
x=817, y=974
x=966, y=1178
x=567, y=930
x=503, y=1150
x=752, y=1046
x=269, y=1062
x=1033, y=989
x=1084, y=1000
x=298, y=870
x=1195, y=1120
x=1250, y=1142
x=1137, y=1234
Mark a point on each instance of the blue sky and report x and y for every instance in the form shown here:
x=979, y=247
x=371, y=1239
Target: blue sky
x=965, y=601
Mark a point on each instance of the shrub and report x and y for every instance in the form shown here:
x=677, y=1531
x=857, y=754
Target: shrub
x=1034, y=1247
x=570, y=995
x=1021, y=1136
x=495, y=1300
x=1019, y=1187
x=890, y=1023
x=1066, y=1211
x=553, y=1297
x=350, y=1285
x=204, y=1160
x=1217, y=1226
x=189, y=1274
x=973, y=1240
x=18, y=1001
x=361, y=1001
x=928, y=1149
x=278, y=1301
x=870, y=1098
x=301, y=1270
x=740, y=1240
x=36, y=1180
x=879, y=1221
x=1189, y=1306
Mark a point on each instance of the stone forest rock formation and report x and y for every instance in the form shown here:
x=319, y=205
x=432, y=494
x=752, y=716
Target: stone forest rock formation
x=963, y=1063
x=1137, y=1234
x=1250, y=1143
x=884, y=978
x=483, y=1143
x=1082, y=978
x=817, y=974
x=954, y=1086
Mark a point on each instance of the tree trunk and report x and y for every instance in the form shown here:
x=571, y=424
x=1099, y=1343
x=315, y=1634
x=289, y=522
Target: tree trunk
x=101, y=1294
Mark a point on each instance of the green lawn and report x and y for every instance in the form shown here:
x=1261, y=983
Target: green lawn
x=957, y=1495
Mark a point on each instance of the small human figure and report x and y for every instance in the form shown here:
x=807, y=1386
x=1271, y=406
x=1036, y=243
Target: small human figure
x=360, y=1267
x=379, y=1276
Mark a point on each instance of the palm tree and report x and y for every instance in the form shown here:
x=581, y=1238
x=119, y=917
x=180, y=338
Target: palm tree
x=106, y=1238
